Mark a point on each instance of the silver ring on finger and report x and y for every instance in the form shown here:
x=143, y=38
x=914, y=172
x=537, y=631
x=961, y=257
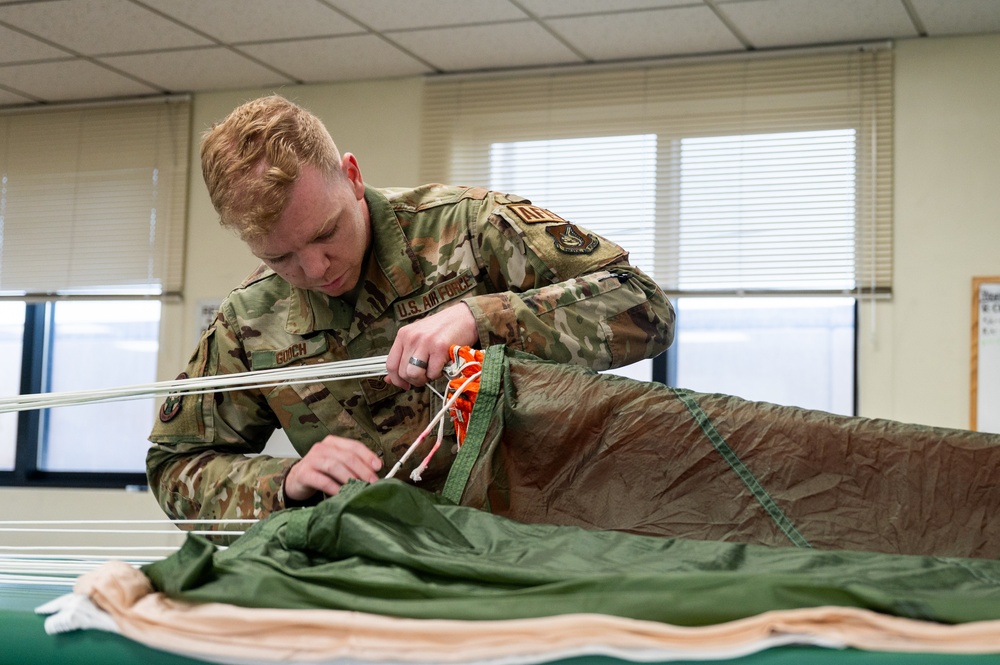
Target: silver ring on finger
x=422, y=364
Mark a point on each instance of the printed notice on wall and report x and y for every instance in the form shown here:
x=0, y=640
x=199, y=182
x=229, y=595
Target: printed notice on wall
x=986, y=354
x=204, y=315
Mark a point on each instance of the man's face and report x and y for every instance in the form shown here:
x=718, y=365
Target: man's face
x=321, y=238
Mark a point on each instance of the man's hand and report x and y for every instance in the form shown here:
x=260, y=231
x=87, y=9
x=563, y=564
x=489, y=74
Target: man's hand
x=328, y=466
x=428, y=341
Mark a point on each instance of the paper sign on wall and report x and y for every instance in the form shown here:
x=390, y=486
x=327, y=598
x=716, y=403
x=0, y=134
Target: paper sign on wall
x=204, y=315
x=986, y=354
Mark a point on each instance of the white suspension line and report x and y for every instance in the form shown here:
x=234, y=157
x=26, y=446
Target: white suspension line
x=89, y=548
x=174, y=532
x=82, y=558
x=38, y=581
x=163, y=521
x=26, y=565
x=345, y=369
x=23, y=563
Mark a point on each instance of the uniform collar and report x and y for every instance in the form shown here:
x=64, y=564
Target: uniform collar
x=393, y=271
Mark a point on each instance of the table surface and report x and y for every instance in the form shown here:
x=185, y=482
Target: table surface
x=22, y=633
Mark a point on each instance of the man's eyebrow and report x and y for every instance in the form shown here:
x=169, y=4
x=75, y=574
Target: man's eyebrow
x=264, y=256
x=328, y=227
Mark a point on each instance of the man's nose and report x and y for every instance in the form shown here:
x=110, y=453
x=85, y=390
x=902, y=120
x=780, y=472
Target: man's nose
x=314, y=264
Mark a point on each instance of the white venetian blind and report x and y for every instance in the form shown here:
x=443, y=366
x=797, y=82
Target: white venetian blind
x=761, y=175
x=93, y=199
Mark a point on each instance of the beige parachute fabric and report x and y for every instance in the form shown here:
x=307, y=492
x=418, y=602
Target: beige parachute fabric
x=558, y=444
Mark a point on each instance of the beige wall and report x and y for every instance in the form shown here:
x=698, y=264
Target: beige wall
x=915, y=365
x=377, y=121
x=913, y=351
x=71, y=504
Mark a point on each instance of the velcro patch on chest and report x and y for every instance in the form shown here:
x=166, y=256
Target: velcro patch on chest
x=376, y=389
x=439, y=293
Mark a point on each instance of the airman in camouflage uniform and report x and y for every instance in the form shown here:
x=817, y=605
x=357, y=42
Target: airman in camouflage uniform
x=427, y=257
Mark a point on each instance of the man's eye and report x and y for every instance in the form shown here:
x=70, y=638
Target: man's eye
x=328, y=234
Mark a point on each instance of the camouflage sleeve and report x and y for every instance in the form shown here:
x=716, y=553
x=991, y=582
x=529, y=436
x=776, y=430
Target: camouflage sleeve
x=204, y=461
x=563, y=293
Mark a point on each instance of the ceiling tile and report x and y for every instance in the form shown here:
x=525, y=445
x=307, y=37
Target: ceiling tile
x=215, y=68
x=647, y=34
x=94, y=27
x=70, y=80
x=15, y=47
x=952, y=17
x=522, y=44
x=394, y=15
x=235, y=21
x=546, y=8
x=337, y=58
x=772, y=23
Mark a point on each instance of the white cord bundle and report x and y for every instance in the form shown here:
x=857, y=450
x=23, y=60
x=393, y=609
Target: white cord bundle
x=346, y=369
x=55, y=561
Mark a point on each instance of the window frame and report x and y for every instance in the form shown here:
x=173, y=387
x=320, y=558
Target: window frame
x=35, y=371
x=131, y=157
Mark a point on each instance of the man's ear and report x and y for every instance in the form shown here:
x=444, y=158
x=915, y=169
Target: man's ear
x=349, y=167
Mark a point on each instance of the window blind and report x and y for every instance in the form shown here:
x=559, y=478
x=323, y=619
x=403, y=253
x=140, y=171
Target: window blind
x=93, y=200
x=763, y=175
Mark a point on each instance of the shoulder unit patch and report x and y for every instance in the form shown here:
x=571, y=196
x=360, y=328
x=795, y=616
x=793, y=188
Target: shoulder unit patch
x=172, y=404
x=571, y=239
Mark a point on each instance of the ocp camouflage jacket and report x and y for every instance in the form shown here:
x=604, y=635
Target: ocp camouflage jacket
x=533, y=281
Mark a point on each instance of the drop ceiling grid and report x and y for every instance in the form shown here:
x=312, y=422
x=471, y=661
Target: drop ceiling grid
x=66, y=50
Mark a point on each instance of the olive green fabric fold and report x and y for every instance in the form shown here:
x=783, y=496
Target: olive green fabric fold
x=393, y=549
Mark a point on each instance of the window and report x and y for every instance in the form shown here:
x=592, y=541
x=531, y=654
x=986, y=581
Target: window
x=795, y=351
x=559, y=175
x=81, y=346
x=91, y=238
x=11, y=336
x=768, y=212
x=756, y=192
x=100, y=344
